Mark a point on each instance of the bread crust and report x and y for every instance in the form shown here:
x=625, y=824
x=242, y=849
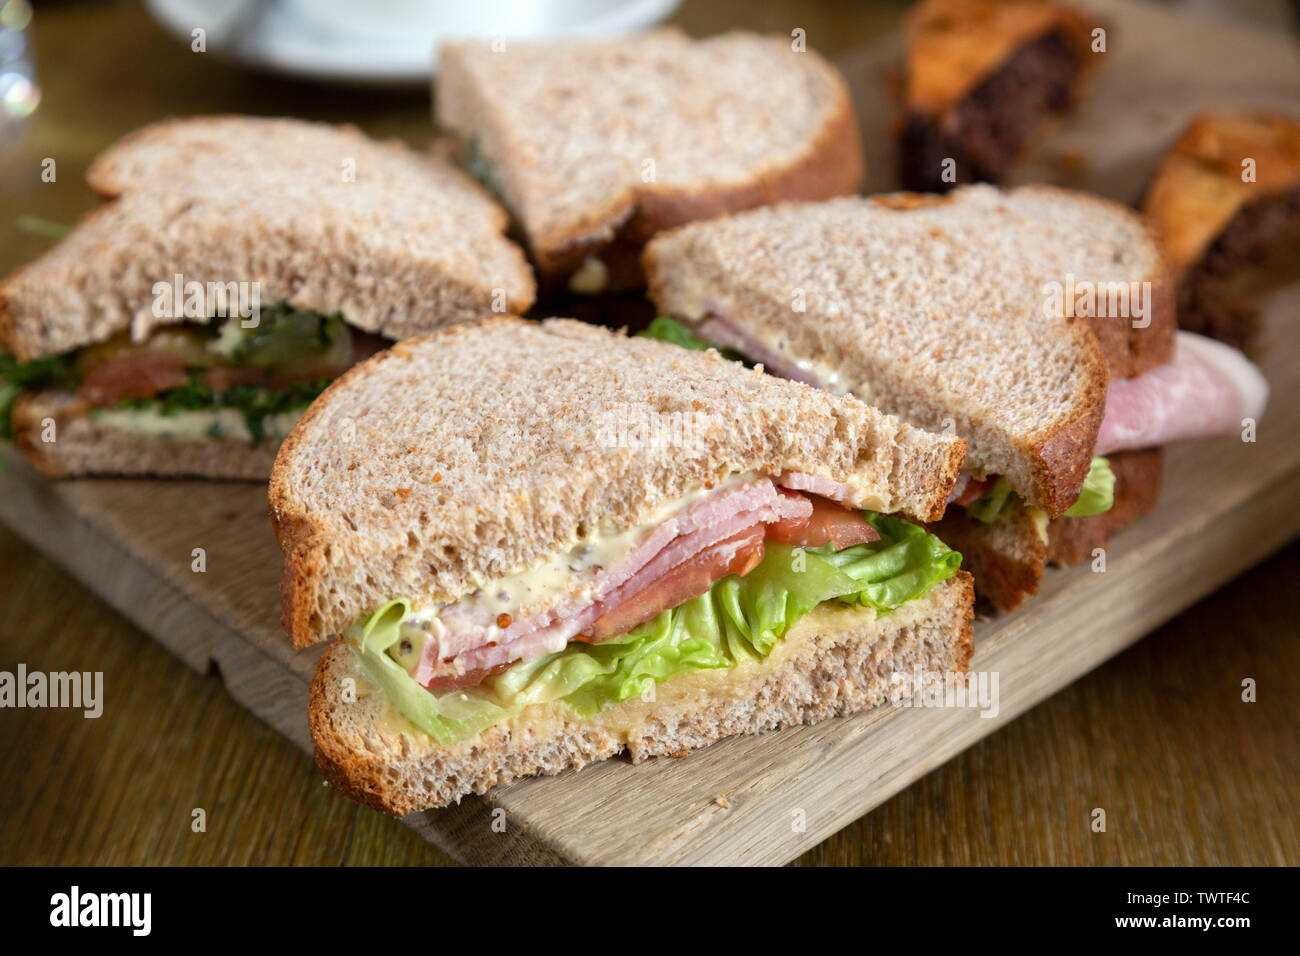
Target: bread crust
x=836, y=661
x=831, y=166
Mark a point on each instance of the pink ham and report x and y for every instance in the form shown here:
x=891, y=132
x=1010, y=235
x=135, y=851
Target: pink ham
x=1204, y=392
x=474, y=641
x=834, y=490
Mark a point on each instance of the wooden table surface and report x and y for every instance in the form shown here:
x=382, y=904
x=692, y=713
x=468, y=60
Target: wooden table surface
x=1159, y=737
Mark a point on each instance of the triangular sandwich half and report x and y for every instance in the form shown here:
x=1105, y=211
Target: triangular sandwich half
x=1037, y=324
x=545, y=543
x=240, y=265
x=595, y=146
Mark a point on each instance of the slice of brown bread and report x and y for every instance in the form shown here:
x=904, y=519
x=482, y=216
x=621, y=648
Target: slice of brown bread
x=82, y=446
x=940, y=310
x=453, y=459
x=570, y=130
x=836, y=661
x=1007, y=556
x=320, y=216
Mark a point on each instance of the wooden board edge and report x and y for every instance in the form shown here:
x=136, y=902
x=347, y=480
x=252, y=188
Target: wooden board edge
x=33, y=508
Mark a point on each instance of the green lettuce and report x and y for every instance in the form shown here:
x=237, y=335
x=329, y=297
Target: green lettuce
x=1098, y=494
x=16, y=377
x=667, y=329
x=256, y=405
x=989, y=505
x=45, y=228
x=739, y=620
x=284, y=335
x=476, y=164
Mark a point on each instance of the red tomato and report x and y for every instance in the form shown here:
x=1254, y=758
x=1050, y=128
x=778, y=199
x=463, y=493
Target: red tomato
x=830, y=523
x=136, y=376
x=975, y=487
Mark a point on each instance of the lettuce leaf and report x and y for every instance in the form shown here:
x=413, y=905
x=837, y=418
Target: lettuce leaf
x=1098, y=494
x=667, y=329
x=55, y=371
x=989, y=505
x=256, y=405
x=282, y=336
x=738, y=621
x=1096, y=497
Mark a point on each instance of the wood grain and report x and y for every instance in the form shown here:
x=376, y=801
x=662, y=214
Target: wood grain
x=121, y=789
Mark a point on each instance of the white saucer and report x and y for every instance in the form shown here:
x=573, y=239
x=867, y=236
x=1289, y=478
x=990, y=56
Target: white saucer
x=282, y=36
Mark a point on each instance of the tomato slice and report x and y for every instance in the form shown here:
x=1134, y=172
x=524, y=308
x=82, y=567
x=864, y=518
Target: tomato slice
x=788, y=529
x=829, y=523
x=738, y=554
x=975, y=488
x=136, y=376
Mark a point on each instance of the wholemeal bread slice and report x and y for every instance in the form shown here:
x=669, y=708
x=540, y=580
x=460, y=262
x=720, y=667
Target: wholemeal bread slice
x=319, y=216
x=596, y=146
x=1226, y=201
x=1006, y=557
x=945, y=311
x=78, y=444
x=455, y=458
x=837, y=660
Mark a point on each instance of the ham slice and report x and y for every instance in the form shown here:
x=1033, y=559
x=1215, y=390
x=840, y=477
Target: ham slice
x=1204, y=392
x=723, y=333
x=471, y=639
x=834, y=490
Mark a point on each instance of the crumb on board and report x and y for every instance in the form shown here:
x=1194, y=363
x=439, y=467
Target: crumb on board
x=722, y=801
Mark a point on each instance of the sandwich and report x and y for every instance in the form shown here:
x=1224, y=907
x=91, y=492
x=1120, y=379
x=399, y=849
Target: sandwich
x=1037, y=324
x=538, y=544
x=1226, y=201
x=981, y=80
x=240, y=265
x=596, y=146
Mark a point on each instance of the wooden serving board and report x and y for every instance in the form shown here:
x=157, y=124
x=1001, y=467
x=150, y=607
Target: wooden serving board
x=1226, y=505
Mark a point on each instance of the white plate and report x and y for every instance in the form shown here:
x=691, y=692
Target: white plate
x=328, y=40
